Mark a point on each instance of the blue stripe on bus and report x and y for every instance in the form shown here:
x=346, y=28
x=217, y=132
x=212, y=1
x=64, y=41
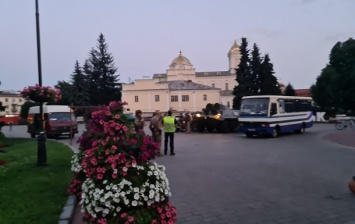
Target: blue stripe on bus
x=273, y=117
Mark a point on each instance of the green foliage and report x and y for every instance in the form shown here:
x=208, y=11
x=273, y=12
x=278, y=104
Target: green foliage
x=66, y=88
x=31, y=194
x=268, y=83
x=25, y=108
x=244, y=79
x=100, y=69
x=256, y=72
x=255, y=75
x=335, y=86
x=2, y=108
x=80, y=95
x=289, y=90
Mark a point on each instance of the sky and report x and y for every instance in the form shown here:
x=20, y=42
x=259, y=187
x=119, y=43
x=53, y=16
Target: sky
x=145, y=36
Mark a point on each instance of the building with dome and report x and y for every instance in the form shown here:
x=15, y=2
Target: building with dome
x=181, y=88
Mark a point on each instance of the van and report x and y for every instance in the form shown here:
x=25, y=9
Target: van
x=58, y=120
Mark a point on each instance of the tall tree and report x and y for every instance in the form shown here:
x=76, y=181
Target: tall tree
x=103, y=83
x=80, y=95
x=268, y=83
x=66, y=89
x=255, y=66
x=289, y=90
x=245, y=83
x=336, y=83
x=325, y=91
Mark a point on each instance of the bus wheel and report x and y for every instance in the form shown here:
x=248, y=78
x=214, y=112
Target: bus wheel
x=33, y=135
x=249, y=134
x=275, y=132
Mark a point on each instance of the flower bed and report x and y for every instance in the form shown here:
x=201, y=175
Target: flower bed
x=42, y=94
x=114, y=176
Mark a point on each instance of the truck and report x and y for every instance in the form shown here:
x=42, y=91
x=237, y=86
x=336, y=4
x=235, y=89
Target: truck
x=215, y=117
x=58, y=120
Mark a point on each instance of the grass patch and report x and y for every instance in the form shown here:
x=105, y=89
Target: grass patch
x=31, y=194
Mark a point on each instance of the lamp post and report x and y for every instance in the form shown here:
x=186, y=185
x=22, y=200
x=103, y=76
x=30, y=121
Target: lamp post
x=41, y=150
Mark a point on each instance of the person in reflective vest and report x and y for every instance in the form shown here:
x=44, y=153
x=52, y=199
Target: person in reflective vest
x=169, y=124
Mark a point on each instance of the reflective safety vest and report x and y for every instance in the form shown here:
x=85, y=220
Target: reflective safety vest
x=169, y=124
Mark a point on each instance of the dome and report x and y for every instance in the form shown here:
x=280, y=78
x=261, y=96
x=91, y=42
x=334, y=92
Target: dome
x=180, y=60
x=234, y=47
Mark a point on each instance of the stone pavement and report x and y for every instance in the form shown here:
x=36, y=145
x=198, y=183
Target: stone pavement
x=262, y=181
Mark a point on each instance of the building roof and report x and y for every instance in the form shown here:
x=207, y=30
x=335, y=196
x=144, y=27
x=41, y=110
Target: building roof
x=198, y=74
x=9, y=93
x=235, y=47
x=180, y=60
x=187, y=85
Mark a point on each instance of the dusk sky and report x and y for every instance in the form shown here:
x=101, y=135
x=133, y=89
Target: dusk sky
x=145, y=36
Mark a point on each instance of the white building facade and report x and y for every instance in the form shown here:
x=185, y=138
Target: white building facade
x=12, y=102
x=181, y=88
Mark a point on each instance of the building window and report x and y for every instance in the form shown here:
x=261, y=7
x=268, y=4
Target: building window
x=135, y=98
x=226, y=86
x=20, y=100
x=13, y=100
x=213, y=85
x=185, y=97
x=174, y=98
x=6, y=100
x=204, y=97
x=156, y=98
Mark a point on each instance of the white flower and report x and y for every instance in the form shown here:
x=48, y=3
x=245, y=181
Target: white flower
x=134, y=203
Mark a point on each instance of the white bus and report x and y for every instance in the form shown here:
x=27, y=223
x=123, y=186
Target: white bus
x=272, y=115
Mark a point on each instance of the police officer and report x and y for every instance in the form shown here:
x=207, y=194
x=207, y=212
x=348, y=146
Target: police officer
x=169, y=123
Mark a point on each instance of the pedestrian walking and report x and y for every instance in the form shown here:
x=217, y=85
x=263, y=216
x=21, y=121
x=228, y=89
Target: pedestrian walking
x=169, y=123
x=156, y=127
x=139, y=122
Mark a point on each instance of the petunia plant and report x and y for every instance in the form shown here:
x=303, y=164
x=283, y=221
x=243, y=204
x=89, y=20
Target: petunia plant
x=42, y=94
x=115, y=178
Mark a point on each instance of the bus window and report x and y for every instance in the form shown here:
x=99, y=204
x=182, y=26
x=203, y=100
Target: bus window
x=273, y=109
x=281, y=106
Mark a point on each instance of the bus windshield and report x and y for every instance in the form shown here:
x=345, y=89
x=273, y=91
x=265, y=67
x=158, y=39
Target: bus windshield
x=60, y=116
x=255, y=106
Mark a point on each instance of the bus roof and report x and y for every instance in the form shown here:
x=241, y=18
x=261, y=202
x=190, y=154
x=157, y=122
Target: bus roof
x=277, y=97
x=49, y=109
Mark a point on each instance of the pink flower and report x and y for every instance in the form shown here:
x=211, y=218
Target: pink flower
x=123, y=215
x=130, y=219
x=99, y=176
x=117, y=116
x=114, y=175
x=162, y=216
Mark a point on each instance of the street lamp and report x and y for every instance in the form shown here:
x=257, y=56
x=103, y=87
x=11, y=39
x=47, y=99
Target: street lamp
x=41, y=150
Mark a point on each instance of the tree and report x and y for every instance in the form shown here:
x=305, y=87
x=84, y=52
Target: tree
x=26, y=107
x=80, y=95
x=289, y=90
x=255, y=66
x=268, y=83
x=336, y=83
x=100, y=68
x=66, y=88
x=325, y=91
x=245, y=83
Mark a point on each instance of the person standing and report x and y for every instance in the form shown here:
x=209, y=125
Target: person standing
x=156, y=128
x=188, y=122
x=169, y=123
x=139, y=122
